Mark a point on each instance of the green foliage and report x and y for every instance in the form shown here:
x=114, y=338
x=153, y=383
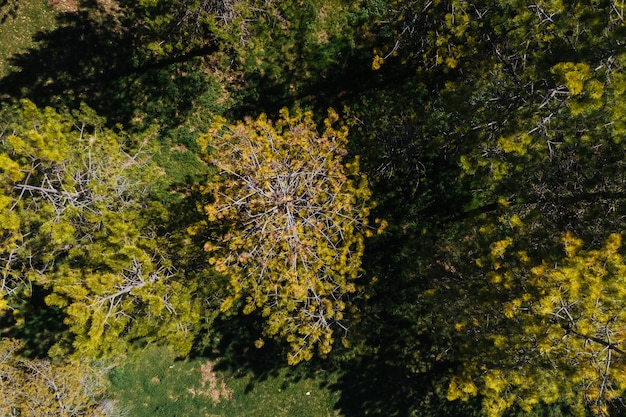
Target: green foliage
x=99, y=54
x=523, y=102
x=487, y=130
x=558, y=338
x=78, y=223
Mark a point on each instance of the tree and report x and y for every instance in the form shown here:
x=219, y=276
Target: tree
x=561, y=338
x=581, y=304
x=522, y=106
x=289, y=220
x=272, y=53
x=78, y=220
x=35, y=387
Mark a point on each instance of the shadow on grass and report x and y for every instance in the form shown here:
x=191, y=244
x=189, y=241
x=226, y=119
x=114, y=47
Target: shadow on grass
x=231, y=344
x=8, y=9
x=99, y=59
x=371, y=387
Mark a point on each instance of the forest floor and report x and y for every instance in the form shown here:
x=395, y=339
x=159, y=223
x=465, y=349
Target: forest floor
x=20, y=21
x=154, y=384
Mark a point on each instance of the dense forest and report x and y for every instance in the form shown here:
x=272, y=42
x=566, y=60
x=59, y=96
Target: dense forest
x=424, y=199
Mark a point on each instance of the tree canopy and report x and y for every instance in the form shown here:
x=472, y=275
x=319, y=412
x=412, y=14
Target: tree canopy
x=456, y=223
x=41, y=388
x=75, y=207
x=291, y=218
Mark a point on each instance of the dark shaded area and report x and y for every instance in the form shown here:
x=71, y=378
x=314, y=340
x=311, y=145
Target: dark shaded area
x=342, y=83
x=38, y=325
x=104, y=63
x=230, y=341
x=618, y=408
x=374, y=387
x=380, y=385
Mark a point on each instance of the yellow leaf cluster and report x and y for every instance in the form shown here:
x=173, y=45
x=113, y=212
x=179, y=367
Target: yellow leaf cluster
x=462, y=389
x=498, y=249
x=582, y=312
x=573, y=75
x=294, y=219
x=563, y=326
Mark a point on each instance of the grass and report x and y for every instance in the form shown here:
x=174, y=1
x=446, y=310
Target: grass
x=154, y=384
x=20, y=20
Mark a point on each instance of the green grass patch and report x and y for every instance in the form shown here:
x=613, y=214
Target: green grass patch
x=155, y=384
x=20, y=20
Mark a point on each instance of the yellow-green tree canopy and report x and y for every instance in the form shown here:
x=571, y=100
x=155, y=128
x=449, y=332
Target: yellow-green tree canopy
x=561, y=338
x=76, y=219
x=291, y=219
x=37, y=387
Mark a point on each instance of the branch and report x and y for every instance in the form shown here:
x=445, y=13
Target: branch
x=604, y=343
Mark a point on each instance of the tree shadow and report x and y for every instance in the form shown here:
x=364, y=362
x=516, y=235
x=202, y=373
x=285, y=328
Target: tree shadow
x=230, y=343
x=38, y=325
x=373, y=386
x=102, y=59
x=8, y=9
x=379, y=386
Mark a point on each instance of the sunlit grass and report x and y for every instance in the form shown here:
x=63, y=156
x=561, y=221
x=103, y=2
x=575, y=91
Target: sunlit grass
x=20, y=20
x=155, y=385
